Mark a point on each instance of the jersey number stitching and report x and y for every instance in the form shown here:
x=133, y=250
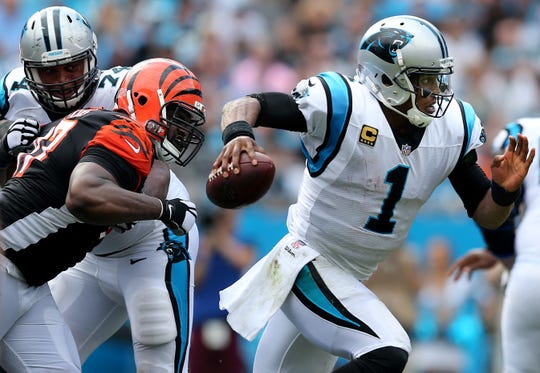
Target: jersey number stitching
x=382, y=223
x=44, y=145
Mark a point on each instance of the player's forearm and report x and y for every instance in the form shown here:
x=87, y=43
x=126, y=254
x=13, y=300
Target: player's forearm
x=243, y=109
x=95, y=197
x=108, y=204
x=489, y=214
x=157, y=182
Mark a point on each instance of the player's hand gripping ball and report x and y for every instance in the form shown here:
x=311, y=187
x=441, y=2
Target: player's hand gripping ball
x=244, y=188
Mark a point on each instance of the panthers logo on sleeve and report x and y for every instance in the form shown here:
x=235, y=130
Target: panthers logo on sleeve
x=302, y=89
x=385, y=43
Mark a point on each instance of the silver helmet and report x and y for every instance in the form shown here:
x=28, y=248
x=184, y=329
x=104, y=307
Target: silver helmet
x=402, y=56
x=54, y=38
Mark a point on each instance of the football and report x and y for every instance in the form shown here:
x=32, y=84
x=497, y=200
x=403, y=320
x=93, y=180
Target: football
x=244, y=188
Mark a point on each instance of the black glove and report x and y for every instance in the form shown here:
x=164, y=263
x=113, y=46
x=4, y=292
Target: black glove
x=178, y=214
x=20, y=135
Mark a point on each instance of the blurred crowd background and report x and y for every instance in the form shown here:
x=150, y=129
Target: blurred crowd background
x=238, y=47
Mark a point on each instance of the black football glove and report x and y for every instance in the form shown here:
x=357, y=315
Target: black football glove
x=178, y=214
x=20, y=135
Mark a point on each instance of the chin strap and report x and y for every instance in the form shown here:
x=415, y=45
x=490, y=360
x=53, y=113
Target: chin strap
x=417, y=118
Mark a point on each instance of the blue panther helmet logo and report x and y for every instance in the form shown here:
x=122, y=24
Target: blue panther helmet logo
x=385, y=43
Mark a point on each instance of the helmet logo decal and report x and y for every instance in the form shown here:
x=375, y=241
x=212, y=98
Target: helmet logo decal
x=386, y=42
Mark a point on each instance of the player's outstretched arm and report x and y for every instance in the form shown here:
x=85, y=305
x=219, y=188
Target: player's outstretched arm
x=267, y=109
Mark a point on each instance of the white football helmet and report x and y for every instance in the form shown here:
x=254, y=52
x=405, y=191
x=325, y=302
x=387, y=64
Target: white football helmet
x=402, y=56
x=56, y=36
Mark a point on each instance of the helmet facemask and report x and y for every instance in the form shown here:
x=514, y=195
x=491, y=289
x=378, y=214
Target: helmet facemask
x=176, y=137
x=61, y=97
x=423, y=84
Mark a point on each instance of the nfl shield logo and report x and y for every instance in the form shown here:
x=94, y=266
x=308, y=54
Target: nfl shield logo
x=405, y=149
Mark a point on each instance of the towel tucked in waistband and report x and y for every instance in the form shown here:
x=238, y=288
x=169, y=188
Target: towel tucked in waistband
x=261, y=291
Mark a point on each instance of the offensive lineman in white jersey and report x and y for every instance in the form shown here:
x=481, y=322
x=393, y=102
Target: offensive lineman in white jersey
x=518, y=249
x=376, y=147
x=130, y=273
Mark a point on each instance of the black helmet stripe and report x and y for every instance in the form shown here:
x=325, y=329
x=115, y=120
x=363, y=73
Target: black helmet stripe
x=168, y=71
x=45, y=28
x=189, y=92
x=57, y=31
x=132, y=81
x=173, y=84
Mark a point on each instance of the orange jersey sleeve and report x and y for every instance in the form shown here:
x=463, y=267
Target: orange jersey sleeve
x=127, y=139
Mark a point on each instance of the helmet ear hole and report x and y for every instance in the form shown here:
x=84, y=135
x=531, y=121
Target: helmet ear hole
x=142, y=100
x=386, y=80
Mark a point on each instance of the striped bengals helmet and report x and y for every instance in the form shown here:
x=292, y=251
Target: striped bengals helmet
x=165, y=97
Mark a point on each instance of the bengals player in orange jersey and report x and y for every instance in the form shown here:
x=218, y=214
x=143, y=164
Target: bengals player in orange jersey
x=82, y=176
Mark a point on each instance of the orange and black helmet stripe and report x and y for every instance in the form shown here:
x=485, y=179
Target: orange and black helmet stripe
x=169, y=70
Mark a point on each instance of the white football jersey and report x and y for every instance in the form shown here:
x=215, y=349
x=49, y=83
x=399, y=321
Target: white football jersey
x=527, y=233
x=360, y=191
x=17, y=101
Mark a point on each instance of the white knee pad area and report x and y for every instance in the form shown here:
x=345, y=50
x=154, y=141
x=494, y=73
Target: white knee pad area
x=152, y=319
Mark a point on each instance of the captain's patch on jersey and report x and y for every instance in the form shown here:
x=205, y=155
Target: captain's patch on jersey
x=368, y=135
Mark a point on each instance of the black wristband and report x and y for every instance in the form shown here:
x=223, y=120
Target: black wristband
x=235, y=129
x=501, y=196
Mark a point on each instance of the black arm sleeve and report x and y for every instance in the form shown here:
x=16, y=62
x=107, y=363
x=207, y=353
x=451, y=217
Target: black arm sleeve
x=501, y=241
x=470, y=182
x=279, y=110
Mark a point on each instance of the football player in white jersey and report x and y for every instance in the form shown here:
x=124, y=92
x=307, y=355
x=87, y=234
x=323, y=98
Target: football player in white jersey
x=131, y=273
x=376, y=147
x=518, y=249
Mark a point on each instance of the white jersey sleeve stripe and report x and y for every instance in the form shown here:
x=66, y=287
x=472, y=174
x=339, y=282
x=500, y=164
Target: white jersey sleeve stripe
x=339, y=103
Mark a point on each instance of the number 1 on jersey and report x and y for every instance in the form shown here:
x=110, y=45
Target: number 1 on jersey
x=383, y=223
